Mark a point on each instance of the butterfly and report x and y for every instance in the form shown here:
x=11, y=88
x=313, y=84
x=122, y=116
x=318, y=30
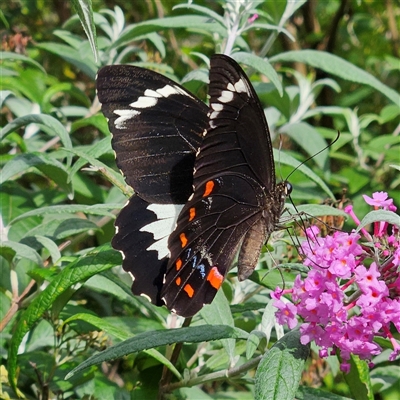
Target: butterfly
x=204, y=180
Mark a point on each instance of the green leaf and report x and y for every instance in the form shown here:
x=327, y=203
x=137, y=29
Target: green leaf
x=52, y=247
x=314, y=210
x=91, y=157
x=199, y=74
x=395, y=167
x=252, y=342
x=70, y=89
x=3, y=96
x=148, y=340
x=61, y=227
x=96, y=261
x=261, y=65
x=379, y=215
x=310, y=140
x=119, y=333
x=50, y=167
x=309, y=393
x=339, y=67
x=382, y=143
x=97, y=120
x=8, y=55
x=219, y=313
x=11, y=250
x=268, y=321
x=101, y=324
x=202, y=10
x=85, y=12
x=14, y=201
x=98, y=209
x=154, y=25
x=359, y=380
x=272, y=278
x=389, y=113
x=385, y=376
x=279, y=372
x=47, y=122
x=84, y=62
x=286, y=159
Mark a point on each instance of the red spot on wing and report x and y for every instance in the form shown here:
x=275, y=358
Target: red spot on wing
x=178, y=264
x=178, y=281
x=184, y=240
x=192, y=213
x=209, y=188
x=215, y=278
x=189, y=290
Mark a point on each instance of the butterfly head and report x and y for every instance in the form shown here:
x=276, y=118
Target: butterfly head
x=287, y=186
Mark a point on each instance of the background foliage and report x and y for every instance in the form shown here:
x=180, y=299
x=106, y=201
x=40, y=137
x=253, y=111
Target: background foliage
x=332, y=66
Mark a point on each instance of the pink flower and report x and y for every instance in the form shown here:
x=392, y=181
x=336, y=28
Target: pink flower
x=352, y=291
x=379, y=199
x=252, y=18
x=288, y=313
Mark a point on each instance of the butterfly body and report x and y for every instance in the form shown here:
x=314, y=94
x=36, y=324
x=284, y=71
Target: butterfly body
x=233, y=201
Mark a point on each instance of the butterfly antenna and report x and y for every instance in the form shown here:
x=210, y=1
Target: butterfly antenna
x=302, y=223
x=314, y=155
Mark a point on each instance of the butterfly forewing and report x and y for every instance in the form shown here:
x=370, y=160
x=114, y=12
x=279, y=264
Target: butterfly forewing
x=234, y=182
x=238, y=127
x=157, y=127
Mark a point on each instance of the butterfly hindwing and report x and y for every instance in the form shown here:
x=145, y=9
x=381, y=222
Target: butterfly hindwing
x=203, y=246
x=157, y=127
x=142, y=231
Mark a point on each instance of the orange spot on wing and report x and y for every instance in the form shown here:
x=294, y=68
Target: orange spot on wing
x=192, y=213
x=178, y=264
x=189, y=290
x=178, y=281
x=209, y=188
x=215, y=278
x=184, y=240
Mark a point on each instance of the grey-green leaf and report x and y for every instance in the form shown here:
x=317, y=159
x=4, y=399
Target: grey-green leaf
x=85, y=12
x=11, y=250
x=98, y=209
x=380, y=215
x=148, y=340
x=47, y=122
x=310, y=141
x=49, y=166
x=289, y=160
x=121, y=334
x=279, y=372
x=338, y=67
x=9, y=55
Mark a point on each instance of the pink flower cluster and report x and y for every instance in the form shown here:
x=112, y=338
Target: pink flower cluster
x=352, y=291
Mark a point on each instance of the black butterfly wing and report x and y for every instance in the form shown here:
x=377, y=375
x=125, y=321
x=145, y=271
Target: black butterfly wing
x=209, y=231
x=234, y=184
x=157, y=127
x=142, y=231
x=238, y=138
